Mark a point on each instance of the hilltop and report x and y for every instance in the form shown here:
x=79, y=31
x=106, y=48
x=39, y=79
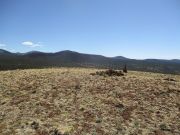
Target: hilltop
x=72, y=101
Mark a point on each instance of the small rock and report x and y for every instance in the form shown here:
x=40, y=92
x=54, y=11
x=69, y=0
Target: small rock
x=164, y=127
x=170, y=79
x=33, y=92
x=119, y=106
x=77, y=87
x=3, y=103
x=35, y=125
x=98, y=121
x=55, y=132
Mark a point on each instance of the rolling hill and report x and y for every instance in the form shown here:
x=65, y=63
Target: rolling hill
x=36, y=59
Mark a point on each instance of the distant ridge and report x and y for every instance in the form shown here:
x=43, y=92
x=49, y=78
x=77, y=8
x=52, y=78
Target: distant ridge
x=120, y=57
x=67, y=58
x=176, y=60
x=4, y=52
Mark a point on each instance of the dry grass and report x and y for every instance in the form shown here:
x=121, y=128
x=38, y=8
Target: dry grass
x=71, y=101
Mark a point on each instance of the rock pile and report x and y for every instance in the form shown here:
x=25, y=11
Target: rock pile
x=109, y=72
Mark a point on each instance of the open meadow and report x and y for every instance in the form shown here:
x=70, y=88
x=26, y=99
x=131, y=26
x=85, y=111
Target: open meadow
x=71, y=101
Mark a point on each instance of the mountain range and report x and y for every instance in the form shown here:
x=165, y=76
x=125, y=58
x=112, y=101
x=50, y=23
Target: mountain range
x=36, y=59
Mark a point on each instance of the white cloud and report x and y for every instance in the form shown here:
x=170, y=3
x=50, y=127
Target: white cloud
x=31, y=44
x=2, y=45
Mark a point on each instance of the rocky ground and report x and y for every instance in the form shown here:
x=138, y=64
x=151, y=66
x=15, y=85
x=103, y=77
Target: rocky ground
x=72, y=101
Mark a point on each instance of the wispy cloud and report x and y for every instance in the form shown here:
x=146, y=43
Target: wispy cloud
x=2, y=45
x=31, y=44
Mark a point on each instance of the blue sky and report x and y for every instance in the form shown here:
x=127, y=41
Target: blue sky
x=131, y=28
